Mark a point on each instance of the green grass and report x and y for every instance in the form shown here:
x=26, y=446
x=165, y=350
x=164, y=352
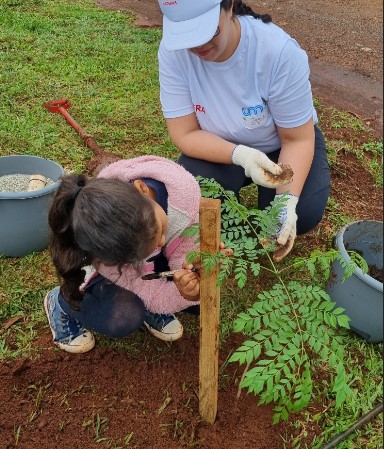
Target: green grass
x=369, y=153
x=108, y=71
x=366, y=369
x=105, y=67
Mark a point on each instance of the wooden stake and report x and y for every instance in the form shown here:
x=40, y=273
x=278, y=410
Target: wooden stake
x=209, y=312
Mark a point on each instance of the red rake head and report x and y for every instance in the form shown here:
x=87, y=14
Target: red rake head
x=55, y=106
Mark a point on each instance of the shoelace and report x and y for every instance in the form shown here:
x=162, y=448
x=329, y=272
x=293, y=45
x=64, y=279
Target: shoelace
x=159, y=319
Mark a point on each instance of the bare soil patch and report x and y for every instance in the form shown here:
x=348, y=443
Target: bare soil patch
x=59, y=400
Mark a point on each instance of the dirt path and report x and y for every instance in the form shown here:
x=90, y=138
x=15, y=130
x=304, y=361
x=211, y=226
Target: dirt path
x=344, y=41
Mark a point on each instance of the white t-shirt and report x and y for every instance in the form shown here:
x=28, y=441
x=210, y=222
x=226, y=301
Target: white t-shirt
x=265, y=82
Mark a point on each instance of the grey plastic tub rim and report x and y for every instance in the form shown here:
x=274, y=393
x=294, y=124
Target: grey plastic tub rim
x=358, y=272
x=47, y=190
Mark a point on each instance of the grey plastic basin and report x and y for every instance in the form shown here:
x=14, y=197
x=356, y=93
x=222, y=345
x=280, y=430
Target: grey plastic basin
x=24, y=215
x=360, y=295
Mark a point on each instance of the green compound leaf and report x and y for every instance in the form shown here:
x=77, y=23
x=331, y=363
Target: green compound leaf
x=291, y=327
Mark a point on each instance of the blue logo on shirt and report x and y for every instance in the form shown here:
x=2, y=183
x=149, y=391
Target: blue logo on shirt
x=253, y=110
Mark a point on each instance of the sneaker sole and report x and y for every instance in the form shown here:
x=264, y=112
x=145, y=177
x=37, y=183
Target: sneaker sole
x=73, y=349
x=81, y=348
x=162, y=336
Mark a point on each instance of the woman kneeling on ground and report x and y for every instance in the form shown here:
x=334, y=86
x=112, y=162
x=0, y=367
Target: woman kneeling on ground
x=237, y=100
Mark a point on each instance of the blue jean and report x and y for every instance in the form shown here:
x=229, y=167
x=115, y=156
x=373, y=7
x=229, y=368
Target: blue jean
x=107, y=309
x=313, y=198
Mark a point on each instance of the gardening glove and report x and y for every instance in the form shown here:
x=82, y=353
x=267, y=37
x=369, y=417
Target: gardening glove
x=260, y=168
x=286, y=234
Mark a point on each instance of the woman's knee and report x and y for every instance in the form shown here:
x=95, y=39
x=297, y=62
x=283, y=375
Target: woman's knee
x=229, y=176
x=314, y=197
x=310, y=211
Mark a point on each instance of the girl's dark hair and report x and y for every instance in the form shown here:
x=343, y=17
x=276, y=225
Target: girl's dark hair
x=98, y=219
x=241, y=9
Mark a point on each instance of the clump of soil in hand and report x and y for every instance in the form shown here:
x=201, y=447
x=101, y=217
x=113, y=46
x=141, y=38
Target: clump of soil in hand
x=285, y=177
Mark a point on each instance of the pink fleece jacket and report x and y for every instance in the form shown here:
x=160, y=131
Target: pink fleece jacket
x=159, y=295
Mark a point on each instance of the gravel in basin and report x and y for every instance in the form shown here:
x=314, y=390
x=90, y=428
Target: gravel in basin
x=17, y=182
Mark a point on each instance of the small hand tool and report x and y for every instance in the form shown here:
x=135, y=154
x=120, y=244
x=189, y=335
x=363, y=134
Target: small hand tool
x=164, y=274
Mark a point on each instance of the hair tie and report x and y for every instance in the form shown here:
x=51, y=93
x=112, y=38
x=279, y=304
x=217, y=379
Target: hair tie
x=76, y=192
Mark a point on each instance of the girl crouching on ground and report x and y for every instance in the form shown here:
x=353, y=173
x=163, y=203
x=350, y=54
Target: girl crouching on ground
x=108, y=231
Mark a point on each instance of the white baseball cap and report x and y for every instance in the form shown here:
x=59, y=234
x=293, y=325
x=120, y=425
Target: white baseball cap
x=189, y=23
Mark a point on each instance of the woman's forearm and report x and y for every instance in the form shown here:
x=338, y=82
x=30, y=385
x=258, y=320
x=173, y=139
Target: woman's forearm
x=297, y=147
x=194, y=142
x=299, y=157
x=297, y=150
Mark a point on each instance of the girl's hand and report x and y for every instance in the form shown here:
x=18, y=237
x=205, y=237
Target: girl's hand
x=224, y=250
x=188, y=283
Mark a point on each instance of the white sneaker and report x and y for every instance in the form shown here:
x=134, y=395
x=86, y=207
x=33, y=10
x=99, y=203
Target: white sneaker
x=164, y=327
x=68, y=333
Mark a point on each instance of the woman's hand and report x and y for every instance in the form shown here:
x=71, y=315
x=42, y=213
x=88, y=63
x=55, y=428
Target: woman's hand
x=188, y=282
x=260, y=168
x=286, y=234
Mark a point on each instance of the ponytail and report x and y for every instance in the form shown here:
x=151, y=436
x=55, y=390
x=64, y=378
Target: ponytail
x=241, y=9
x=67, y=256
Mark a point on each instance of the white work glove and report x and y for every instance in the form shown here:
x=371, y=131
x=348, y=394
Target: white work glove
x=259, y=167
x=286, y=234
